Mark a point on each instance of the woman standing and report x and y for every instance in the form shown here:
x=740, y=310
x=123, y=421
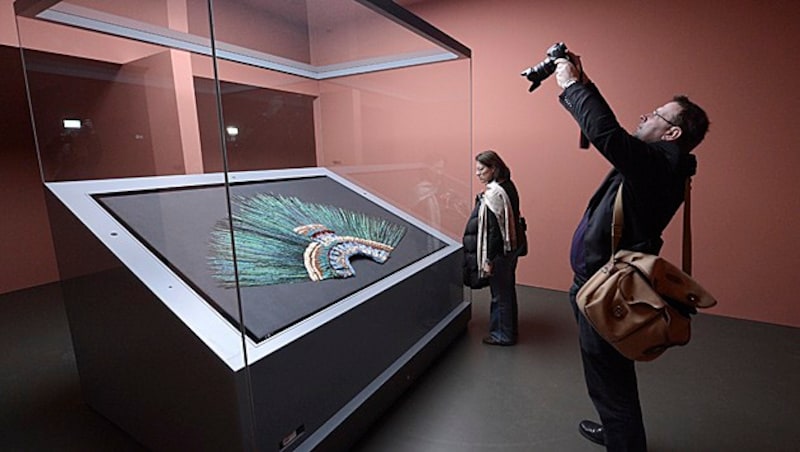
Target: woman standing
x=490, y=245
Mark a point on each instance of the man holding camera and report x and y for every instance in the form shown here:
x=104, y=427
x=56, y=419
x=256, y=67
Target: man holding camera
x=654, y=163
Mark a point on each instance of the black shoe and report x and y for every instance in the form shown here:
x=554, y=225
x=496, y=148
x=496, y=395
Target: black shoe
x=489, y=340
x=593, y=431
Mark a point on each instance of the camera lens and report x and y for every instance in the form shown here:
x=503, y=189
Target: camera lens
x=546, y=67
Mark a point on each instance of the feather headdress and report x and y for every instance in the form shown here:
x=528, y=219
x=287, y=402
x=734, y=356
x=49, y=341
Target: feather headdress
x=282, y=239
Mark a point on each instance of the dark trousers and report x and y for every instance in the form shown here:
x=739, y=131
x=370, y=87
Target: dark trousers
x=611, y=382
x=503, y=309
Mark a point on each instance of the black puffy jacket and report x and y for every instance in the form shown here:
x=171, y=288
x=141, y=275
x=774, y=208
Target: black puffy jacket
x=470, y=242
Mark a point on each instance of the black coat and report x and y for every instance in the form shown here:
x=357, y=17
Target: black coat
x=654, y=176
x=470, y=242
x=494, y=238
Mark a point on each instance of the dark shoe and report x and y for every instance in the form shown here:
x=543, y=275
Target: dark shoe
x=489, y=340
x=593, y=431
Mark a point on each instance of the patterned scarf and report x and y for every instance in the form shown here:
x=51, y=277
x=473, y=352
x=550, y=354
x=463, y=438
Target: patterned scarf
x=496, y=200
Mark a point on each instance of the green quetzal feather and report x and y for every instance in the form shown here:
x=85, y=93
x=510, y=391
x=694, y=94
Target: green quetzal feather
x=282, y=239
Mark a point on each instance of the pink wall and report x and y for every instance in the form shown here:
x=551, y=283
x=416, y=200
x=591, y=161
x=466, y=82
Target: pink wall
x=386, y=142
x=27, y=257
x=738, y=61
x=8, y=27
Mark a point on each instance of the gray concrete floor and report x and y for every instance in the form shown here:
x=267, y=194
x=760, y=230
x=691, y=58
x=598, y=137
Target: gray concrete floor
x=733, y=388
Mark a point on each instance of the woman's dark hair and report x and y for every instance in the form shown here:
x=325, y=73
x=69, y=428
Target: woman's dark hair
x=490, y=159
x=693, y=122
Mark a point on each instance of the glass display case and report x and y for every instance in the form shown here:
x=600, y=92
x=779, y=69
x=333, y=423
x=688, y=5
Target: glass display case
x=256, y=207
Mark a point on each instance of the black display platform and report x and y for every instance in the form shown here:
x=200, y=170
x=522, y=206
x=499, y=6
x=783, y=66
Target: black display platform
x=176, y=224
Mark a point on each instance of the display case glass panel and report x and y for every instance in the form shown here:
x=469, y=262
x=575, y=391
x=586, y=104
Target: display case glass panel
x=170, y=130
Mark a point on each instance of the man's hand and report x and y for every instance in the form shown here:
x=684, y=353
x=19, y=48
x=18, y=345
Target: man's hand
x=569, y=71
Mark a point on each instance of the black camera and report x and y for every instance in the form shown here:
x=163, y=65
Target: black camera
x=546, y=68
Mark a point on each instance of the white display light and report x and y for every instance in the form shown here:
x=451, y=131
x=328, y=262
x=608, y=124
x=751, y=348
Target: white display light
x=72, y=124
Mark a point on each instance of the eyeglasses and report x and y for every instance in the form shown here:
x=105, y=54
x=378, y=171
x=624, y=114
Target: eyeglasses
x=656, y=113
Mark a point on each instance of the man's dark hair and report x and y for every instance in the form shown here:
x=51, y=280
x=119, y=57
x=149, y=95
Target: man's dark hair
x=693, y=123
x=491, y=159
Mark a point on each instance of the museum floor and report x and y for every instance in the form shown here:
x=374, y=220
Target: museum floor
x=734, y=388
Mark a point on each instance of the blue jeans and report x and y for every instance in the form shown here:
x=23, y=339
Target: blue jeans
x=611, y=383
x=503, y=310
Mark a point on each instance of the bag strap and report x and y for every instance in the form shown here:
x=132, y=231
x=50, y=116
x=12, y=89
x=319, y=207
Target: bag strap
x=618, y=221
x=687, y=228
